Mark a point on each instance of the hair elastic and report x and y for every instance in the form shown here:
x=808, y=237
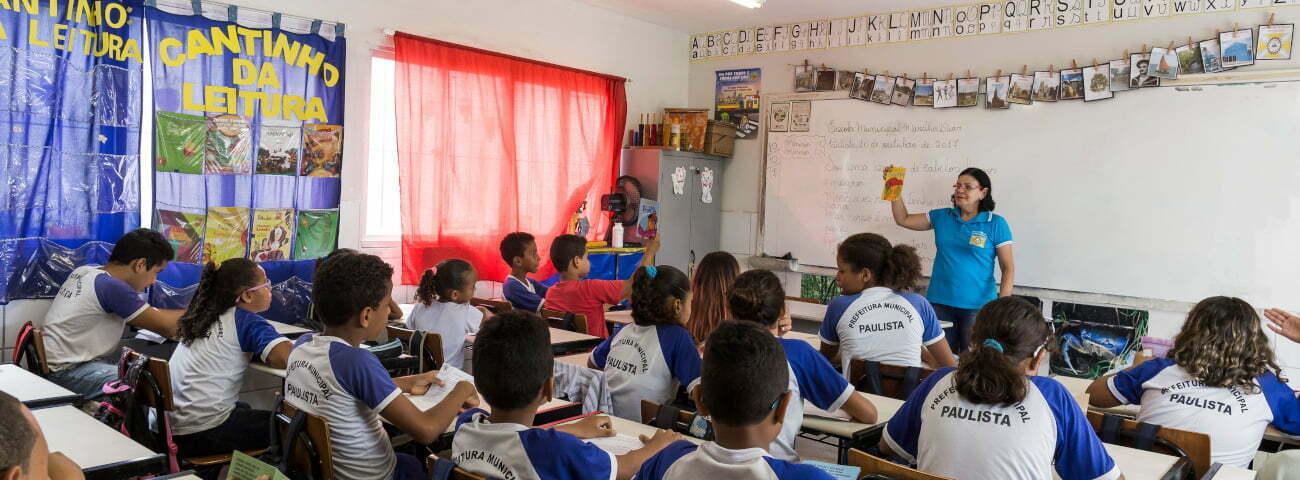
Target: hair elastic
x=989, y=342
x=651, y=271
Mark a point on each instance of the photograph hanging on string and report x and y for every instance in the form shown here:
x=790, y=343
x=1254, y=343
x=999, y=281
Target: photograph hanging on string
x=1275, y=42
x=779, y=120
x=1237, y=48
x=924, y=96
x=1164, y=64
x=843, y=80
x=1210, y=60
x=996, y=90
x=800, y=115
x=1096, y=82
x=968, y=92
x=883, y=91
x=1021, y=89
x=1138, y=66
x=825, y=79
x=862, y=85
x=1119, y=75
x=1046, y=86
x=1071, y=84
x=805, y=78
x=903, y=88
x=945, y=93
x=1189, y=59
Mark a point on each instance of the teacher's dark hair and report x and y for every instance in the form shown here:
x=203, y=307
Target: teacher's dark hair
x=987, y=204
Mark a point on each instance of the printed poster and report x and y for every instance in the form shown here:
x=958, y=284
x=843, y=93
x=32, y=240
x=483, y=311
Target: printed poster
x=277, y=150
x=229, y=146
x=184, y=231
x=179, y=140
x=800, y=115
x=322, y=152
x=272, y=234
x=227, y=233
x=318, y=232
x=780, y=121
x=737, y=100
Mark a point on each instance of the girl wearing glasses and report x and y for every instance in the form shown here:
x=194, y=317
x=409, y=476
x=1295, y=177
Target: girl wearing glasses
x=992, y=418
x=968, y=237
x=218, y=332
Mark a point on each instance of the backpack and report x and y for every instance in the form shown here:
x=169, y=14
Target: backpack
x=122, y=410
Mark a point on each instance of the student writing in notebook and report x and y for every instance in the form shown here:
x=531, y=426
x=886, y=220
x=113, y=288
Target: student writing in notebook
x=875, y=319
x=574, y=294
x=331, y=376
x=1220, y=379
x=652, y=357
x=745, y=393
x=992, y=418
x=758, y=297
x=24, y=453
x=513, y=371
x=219, y=332
x=519, y=250
x=442, y=307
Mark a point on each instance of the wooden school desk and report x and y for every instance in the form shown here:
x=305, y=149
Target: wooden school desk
x=102, y=453
x=33, y=390
x=580, y=359
x=287, y=330
x=564, y=341
x=811, y=338
x=622, y=317
x=846, y=433
x=624, y=426
x=1139, y=464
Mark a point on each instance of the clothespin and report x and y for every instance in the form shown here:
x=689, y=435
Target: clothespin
x=1235, y=27
x=1094, y=61
x=968, y=74
x=1126, y=54
x=886, y=73
x=1024, y=69
x=1270, y=19
x=1189, y=41
x=925, y=74
x=1051, y=68
x=999, y=74
x=1171, y=45
x=1073, y=64
x=950, y=76
x=1144, y=49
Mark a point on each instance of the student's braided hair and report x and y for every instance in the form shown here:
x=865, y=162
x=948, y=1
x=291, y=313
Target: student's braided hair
x=219, y=287
x=651, y=295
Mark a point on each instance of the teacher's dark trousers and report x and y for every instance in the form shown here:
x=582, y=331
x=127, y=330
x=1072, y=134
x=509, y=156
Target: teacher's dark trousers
x=962, y=320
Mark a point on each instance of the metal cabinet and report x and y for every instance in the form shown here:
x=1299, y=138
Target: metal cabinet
x=689, y=227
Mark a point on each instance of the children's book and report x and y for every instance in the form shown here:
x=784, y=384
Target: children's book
x=647, y=223
x=184, y=231
x=272, y=234
x=322, y=152
x=244, y=467
x=277, y=150
x=893, y=183
x=178, y=142
x=230, y=146
x=318, y=232
x=227, y=233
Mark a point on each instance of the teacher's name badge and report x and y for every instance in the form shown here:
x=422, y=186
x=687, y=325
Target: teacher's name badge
x=978, y=239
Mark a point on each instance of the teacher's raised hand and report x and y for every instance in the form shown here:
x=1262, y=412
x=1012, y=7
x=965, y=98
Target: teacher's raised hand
x=911, y=221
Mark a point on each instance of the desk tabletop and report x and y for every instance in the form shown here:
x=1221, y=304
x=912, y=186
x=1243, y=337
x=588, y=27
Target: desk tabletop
x=811, y=338
x=619, y=316
x=91, y=444
x=31, y=389
x=838, y=426
x=623, y=426
x=1140, y=464
x=288, y=330
x=566, y=336
x=1234, y=473
x=579, y=359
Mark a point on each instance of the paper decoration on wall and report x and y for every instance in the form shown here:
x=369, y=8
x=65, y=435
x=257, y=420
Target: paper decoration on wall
x=736, y=99
x=968, y=92
x=945, y=93
x=647, y=221
x=903, y=88
x=277, y=150
x=1210, y=60
x=1275, y=42
x=1071, y=84
x=227, y=233
x=1046, y=86
x=883, y=90
x=322, y=152
x=843, y=80
x=179, y=140
x=706, y=185
x=1096, y=82
x=780, y=117
x=1119, y=75
x=1237, y=48
x=800, y=115
x=1139, y=71
x=805, y=78
x=1189, y=59
x=825, y=79
x=1164, y=63
x=996, y=88
x=679, y=181
x=272, y=234
x=1021, y=89
x=863, y=85
x=318, y=232
x=924, y=95
x=229, y=146
x=184, y=231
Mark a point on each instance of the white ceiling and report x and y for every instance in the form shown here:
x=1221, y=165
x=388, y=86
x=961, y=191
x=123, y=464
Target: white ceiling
x=700, y=16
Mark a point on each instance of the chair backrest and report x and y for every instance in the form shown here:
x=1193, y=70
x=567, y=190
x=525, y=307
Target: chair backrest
x=310, y=450
x=1191, y=447
x=883, y=379
x=31, y=344
x=432, y=345
x=159, y=369
x=496, y=306
x=672, y=418
x=560, y=320
x=457, y=473
x=882, y=468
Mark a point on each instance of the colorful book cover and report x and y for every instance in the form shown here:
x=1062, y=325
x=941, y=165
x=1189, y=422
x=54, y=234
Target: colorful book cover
x=272, y=234
x=647, y=223
x=184, y=231
x=893, y=183
x=322, y=150
x=318, y=232
x=277, y=150
x=227, y=233
x=178, y=142
x=229, y=147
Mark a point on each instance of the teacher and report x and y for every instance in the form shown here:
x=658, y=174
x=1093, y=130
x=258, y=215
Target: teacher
x=968, y=237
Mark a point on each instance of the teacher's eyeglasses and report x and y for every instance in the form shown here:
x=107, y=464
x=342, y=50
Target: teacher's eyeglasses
x=252, y=289
x=963, y=186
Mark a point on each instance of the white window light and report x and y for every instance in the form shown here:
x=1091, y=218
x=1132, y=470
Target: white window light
x=749, y=3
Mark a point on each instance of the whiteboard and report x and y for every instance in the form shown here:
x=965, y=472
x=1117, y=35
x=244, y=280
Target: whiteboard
x=1163, y=193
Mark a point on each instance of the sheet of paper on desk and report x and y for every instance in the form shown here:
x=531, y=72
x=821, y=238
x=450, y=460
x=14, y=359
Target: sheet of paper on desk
x=244, y=467
x=838, y=472
x=810, y=409
x=618, y=444
x=450, y=376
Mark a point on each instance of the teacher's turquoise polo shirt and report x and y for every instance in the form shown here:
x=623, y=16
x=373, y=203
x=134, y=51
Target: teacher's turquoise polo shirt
x=963, y=267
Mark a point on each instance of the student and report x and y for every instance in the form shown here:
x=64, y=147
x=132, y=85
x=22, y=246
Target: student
x=512, y=368
x=587, y=297
x=83, y=327
x=24, y=454
x=713, y=278
x=992, y=418
x=331, y=376
x=394, y=310
x=519, y=250
x=218, y=332
x=443, y=307
x=651, y=357
x=873, y=320
x=744, y=393
x=758, y=297
x=1220, y=379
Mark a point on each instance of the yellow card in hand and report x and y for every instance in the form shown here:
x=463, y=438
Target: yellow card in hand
x=893, y=183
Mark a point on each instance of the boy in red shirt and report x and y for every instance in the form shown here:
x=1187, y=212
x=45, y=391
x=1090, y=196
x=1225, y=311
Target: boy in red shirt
x=587, y=297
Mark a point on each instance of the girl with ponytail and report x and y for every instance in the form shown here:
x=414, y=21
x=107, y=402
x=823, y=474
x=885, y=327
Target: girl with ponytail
x=220, y=333
x=993, y=417
x=651, y=357
x=875, y=319
x=442, y=307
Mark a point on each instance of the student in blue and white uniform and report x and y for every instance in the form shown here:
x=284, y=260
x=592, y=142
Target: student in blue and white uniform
x=331, y=376
x=1220, y=379
x=442, y=307
x=744, y=393
x=968, y=237
x=654, y=355
x=83, y=327
x=992, y=418
x=513, y=370
x=219, y=332
x=874, y=320
x=519, y=250
x=758, y=297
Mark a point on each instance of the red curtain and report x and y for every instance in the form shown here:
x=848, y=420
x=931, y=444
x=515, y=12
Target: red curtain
x=490, y=144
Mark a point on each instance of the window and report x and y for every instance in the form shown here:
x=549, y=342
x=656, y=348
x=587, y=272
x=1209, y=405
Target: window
x=383, y=221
